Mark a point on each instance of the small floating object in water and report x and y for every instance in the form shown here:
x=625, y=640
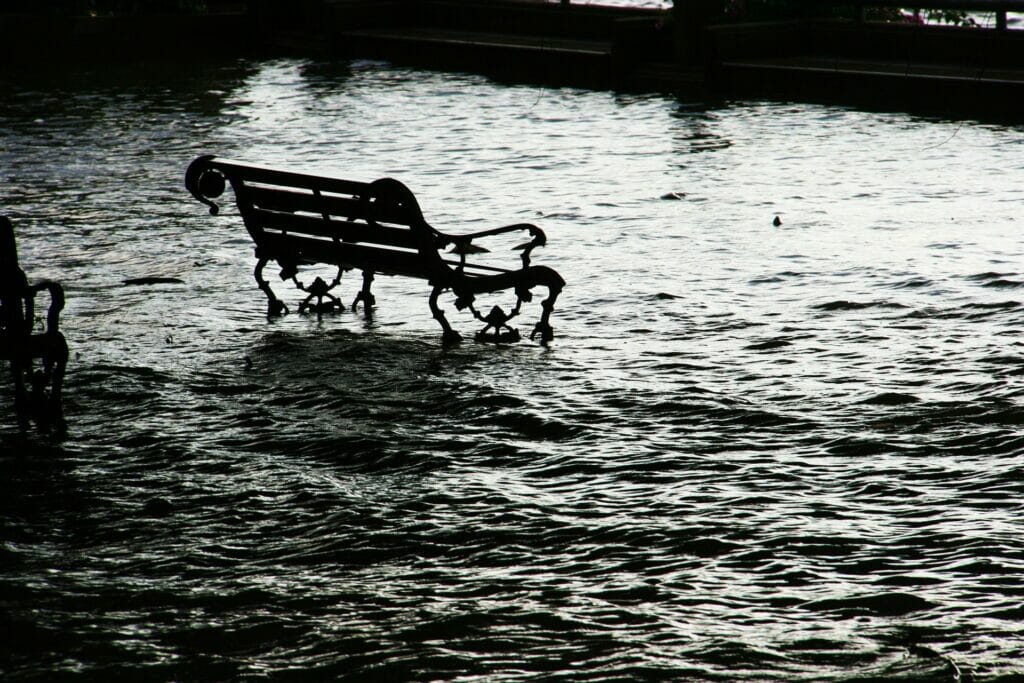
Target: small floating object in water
x=673, y=195
x=768, y=345
x=157, y=507
x=152, y=281
x=777, y=222
x=891, y=398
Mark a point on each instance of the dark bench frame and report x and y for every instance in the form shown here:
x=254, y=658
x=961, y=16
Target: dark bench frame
x=299, y=219
x=37, y=358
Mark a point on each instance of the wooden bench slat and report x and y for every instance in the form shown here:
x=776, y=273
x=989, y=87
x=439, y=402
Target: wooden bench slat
x=312, y=250
x=280, y=199
x=254, y=173
x=315, y=250
x=346, y=231
x=348, y=208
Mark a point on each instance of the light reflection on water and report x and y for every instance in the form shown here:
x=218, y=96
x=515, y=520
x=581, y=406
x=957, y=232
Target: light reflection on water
x=790, y=452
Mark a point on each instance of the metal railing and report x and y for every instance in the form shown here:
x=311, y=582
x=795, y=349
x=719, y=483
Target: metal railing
x=1000, y=8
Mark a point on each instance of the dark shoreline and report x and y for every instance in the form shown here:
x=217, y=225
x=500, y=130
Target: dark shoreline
x=971, y=72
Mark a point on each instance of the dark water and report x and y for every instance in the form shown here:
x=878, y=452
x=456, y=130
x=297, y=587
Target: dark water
x=752, y=452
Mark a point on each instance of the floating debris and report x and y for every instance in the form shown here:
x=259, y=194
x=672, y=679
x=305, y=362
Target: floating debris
x=157, y=507
x=152, y=281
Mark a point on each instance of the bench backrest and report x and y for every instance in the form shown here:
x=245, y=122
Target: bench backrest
x=306, y=218
x=15, y=303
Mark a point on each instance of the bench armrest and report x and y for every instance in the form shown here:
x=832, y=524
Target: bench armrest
x=56, y=292
x=462, y=242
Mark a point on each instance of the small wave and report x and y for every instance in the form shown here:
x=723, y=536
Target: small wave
x=1010, y=361
x=882, y=604
x=988, y=276
x=227, y=389
x=979, y=311
x=844, y=305
x=674, y=408
x=707, y=547
x=1014, y=614
x=854, y=447
x=913, y=283
x=629, y=595
x=891, y=398
x=769, y=345
x=534, y=427
x=993, y=305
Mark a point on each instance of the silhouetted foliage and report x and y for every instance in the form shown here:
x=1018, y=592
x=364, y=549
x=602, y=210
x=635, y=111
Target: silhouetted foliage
x=769, y=10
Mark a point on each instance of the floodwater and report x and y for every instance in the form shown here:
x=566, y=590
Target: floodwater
x=786, y=453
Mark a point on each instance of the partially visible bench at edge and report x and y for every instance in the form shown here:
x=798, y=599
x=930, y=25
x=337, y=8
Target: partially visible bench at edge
x=299, y=219
x=22, y=343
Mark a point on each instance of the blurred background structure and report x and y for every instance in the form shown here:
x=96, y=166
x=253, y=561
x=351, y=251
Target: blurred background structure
x=964, y=54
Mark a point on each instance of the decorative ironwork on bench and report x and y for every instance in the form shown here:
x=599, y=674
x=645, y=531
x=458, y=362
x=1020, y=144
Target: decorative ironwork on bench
x=297, y=220
x=35, y=350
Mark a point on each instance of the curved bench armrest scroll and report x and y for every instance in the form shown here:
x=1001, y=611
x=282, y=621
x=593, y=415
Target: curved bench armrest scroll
x=538, y=238
x=205, y=182
x=56, y=292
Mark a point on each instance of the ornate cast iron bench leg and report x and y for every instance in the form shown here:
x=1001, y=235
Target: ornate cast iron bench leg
x=365, y=295
x=448, y=336
x=19, y=369
x=320, y=290
x=48, y=380
x=497, y=320
x=60, y=364
x=275, y=307
x=543, y=327
x=38, y=387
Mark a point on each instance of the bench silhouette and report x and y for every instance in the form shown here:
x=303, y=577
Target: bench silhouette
x=298, y=219
x=37, y=352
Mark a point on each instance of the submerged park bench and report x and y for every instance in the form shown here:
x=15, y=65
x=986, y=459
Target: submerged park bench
x=37, y=354
x=298, y=219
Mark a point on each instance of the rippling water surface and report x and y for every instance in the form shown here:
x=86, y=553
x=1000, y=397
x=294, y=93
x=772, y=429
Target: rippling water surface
x=752, y=452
